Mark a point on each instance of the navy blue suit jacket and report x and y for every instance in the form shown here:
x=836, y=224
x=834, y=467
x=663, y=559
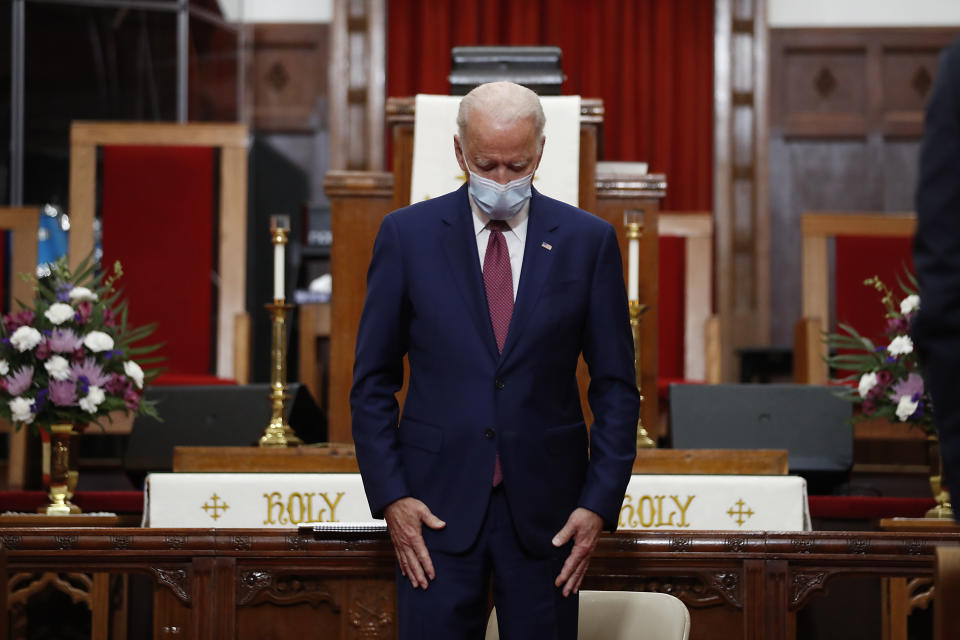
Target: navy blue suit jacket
x=465, y=402
x=936, y=329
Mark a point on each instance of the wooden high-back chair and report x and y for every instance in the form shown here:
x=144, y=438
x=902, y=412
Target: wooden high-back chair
x=700, y=357
x=182, y=155
x=818, y=230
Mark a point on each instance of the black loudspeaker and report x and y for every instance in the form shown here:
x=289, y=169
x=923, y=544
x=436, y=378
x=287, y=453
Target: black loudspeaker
x=203, y=416
x=809, y=421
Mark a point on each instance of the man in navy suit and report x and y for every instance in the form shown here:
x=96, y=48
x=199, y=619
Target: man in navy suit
x=936, y=329
x=493, y=292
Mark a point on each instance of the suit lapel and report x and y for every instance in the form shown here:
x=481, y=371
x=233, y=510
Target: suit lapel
x=460, y=249
x=537, y=262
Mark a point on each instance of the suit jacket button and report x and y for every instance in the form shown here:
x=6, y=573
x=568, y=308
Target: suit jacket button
x=488, y=434
x=499, y=383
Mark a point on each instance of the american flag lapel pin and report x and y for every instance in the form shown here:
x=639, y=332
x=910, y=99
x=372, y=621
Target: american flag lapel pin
x=546, y=245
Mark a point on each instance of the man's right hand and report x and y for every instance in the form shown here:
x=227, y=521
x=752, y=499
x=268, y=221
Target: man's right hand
x=405, y=518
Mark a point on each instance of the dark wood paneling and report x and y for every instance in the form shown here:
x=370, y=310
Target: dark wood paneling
x=287, y=76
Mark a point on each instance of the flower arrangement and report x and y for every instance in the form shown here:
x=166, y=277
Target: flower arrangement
x=71, y=358
x=885, y=380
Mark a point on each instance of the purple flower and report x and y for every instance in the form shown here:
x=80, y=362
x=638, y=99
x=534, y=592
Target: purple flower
x=13, y=321
x=63, y=393
x=109, y=318
x=868, y=407
x=884, y=378
x=897, y=326
x=41, y=400
x=63, y=292
x=20, y=381
x=43, y=350
x=132, y=399
x=117, y=384
x=83, y=312
x=91, y=371
x=84, y=385
x=912, y=387
x=64, y=341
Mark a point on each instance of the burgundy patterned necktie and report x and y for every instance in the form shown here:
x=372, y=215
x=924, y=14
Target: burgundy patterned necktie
x=498, y=281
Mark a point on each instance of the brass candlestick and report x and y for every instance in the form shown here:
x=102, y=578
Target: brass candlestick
x=633, y=221
x=278, y=433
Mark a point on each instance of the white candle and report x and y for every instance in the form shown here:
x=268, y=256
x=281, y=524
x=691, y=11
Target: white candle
x=278, y=272
x=633, y=270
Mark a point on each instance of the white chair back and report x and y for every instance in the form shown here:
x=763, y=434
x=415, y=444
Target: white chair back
x=624, y=615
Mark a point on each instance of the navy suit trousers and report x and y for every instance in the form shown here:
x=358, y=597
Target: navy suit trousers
x=454, y=606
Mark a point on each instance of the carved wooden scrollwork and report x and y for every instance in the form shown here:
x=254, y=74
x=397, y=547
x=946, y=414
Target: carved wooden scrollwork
x=371, y=613
x=858, y=545
x=121, y=542
x=242, y=543
x=295, y=542
x=12, y=542
x=257, y=587
x=175, y=580
x=802, y=584
x=174, y=542
x=920, y=593
x=64, y=543
x=727, y=583
x=697, y=591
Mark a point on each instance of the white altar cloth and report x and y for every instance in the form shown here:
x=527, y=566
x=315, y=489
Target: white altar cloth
x=285, y=500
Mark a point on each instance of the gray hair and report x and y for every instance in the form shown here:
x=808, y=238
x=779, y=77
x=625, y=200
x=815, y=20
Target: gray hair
x=508, y=100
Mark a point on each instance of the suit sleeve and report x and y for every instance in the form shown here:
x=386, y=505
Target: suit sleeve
x=378, y=372
x=936, y=328
x=613, y=395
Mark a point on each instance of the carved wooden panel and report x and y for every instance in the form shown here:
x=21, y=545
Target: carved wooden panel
x=287, y=76
x=848, y=83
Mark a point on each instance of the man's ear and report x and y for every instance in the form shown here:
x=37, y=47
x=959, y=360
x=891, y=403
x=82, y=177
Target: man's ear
x=459, y=151
x=543, y=141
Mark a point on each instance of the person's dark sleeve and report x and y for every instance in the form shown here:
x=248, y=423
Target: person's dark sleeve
x=936, y=328
x=378, y=373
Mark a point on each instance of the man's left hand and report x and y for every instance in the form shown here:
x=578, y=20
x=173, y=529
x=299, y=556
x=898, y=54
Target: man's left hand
x=583, y=526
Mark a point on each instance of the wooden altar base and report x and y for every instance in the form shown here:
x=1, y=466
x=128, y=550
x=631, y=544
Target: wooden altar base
x=249, y=583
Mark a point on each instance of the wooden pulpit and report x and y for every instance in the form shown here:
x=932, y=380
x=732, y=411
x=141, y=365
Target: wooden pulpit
x=359, y=200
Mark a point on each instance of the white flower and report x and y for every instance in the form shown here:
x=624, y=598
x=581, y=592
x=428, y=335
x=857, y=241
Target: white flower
x=4, y=368
x=58, y=367
x=20, y=409
x=867, y=382
x=92, y=400
x=134, y=372
x=909, y=304
x=906, y=407
x=98, y=341
x=900, y=346
x=58, y=313
x=25, y=338
x=82, y=293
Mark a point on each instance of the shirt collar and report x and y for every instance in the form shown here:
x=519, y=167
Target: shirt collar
x=517, y=224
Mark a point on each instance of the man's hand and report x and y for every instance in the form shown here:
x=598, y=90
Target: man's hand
x=583, y=526
x=404, y=520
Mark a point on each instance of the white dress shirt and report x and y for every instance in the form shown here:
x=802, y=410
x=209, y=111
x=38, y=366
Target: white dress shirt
x=516, y=238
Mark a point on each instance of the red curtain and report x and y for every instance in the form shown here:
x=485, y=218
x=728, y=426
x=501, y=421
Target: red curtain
x=651, y=61
x=157, y=209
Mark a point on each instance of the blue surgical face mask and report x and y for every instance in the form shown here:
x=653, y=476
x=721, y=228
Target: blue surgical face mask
x=499, y=201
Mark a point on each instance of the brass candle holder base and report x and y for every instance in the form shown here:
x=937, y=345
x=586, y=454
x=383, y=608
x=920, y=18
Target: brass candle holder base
x=636, y=310
x=278, y=433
